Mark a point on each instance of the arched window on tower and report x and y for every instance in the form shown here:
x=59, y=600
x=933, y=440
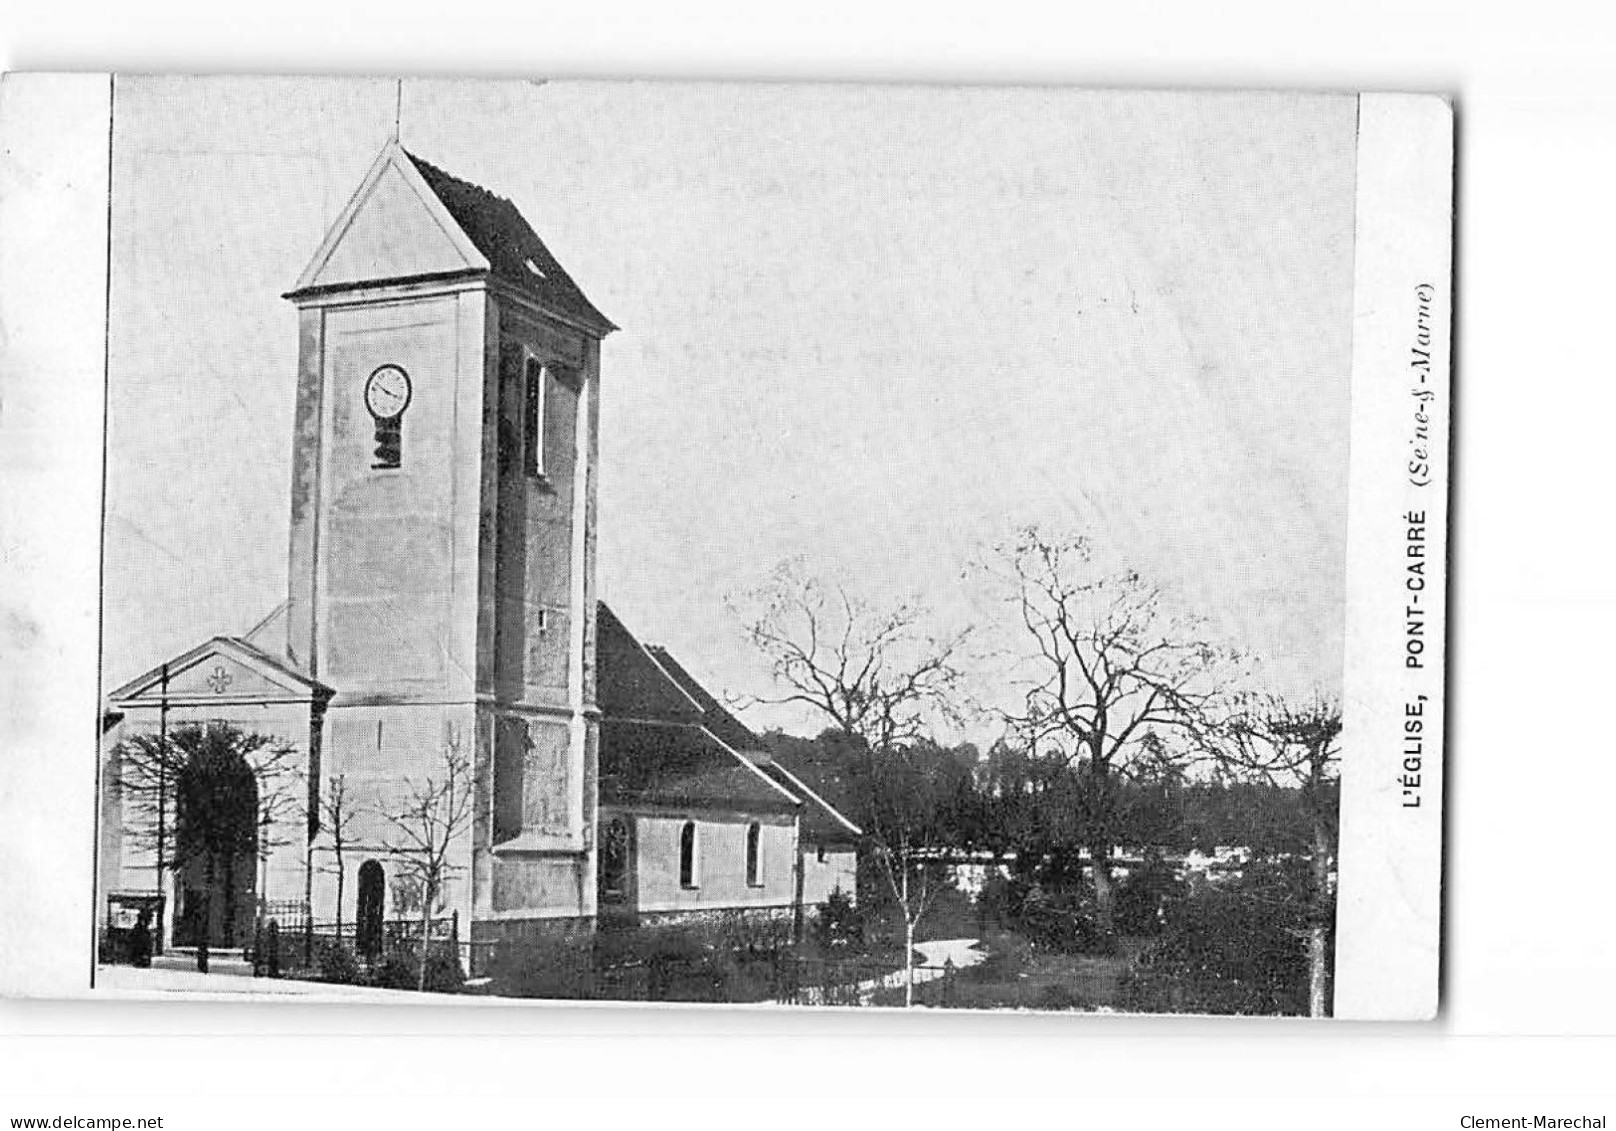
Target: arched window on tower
x=754, y=854
x=688, y=875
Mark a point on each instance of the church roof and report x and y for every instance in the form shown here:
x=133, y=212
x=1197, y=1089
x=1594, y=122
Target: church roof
x=630, y=683
x=664, y=740
x=410, y=221
x=681, y=765
x=822, y=822
x=725, y=726
x=514, y=250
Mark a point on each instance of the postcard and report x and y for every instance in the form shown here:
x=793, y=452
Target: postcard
x=769, y=545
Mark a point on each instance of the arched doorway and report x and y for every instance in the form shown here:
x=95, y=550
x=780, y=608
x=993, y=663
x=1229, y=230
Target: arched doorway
x=368, y=915
x=215, y=847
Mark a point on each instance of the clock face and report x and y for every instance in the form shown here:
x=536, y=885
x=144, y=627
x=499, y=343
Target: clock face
x=387, y=393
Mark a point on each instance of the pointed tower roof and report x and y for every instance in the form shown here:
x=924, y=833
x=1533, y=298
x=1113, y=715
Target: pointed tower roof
x=514, y=250
x=409, y=220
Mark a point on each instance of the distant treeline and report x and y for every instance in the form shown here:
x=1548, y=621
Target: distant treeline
x=1009, y=800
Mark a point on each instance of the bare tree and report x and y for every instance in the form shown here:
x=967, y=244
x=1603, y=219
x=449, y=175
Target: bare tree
x=208, y=776
x=338, y=813
x=905, y=815
x=1296, y=744
x=434, y=812
x=282, y=805
x=881, y=680
x=1109, y=671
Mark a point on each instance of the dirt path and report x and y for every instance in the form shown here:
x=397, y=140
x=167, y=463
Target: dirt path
x=934, y=956
x=961, y=952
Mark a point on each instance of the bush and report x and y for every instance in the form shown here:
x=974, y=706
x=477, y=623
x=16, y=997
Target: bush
x=337, y=963
x=999, y=901
x=543, y=966
x=733, y=960
x=755, y=935
x=729, y=960
x=1057, y=995
x=1232, y=948
x=676, y=963
x=649, y=944
x=1008, y=956
x=840, y=924
x=1063, y=922
x=1060, y=920
x=1147, y=896
x=401, y=970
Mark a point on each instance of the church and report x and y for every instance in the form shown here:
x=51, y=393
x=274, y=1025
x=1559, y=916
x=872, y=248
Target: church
x=441, y=612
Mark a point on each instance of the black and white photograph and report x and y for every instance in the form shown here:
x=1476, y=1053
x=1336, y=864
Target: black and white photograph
x=769, y=545
x=1011, y=566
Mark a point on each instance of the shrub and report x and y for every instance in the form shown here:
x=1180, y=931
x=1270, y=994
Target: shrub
x=676, y=962
x=337, y=963
x=840, y=924
x=401, y=969
x=1063, y=922
x=1057, y=995
x=735, y=959
x=1008, y=956
x=1236, y=947
x=1147, y=896
x=716, y=962
x=758, y=935
x=649, y=944
x=1056, y=919
x=543, y=966
x=999, y=901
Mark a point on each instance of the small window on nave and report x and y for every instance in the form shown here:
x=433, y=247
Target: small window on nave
x=688, y=877
x=754, y=854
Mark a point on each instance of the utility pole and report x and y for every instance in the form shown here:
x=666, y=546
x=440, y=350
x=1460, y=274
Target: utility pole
x=162, y=806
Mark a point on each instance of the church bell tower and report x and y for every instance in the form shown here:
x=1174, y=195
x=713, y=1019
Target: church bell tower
x=442, y=555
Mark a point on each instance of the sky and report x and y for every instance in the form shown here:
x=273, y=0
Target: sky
x=871, y=328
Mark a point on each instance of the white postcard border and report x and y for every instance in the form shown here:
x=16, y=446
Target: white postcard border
x=1389, y=908
x=53, y=261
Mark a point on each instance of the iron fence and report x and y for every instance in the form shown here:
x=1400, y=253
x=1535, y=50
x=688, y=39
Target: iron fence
x=861, y=982
x=300, y=939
